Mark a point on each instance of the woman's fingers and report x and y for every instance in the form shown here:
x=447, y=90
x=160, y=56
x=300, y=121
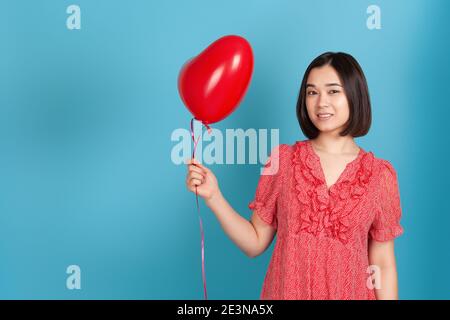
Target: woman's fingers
x=202, y=166
x=195, y=163
x=200, y=179
x=196, y=175
x=193, y=168
x=195, y=182
x=195, y=178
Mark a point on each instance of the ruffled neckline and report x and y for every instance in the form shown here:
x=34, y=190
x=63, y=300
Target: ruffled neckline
x=318, y=169
x=325, y=210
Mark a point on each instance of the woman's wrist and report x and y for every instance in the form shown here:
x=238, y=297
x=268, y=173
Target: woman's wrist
x=213, y=199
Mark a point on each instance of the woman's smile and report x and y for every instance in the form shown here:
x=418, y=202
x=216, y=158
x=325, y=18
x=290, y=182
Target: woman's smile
x=324, y=116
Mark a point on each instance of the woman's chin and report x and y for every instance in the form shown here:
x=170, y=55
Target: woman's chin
x=328, y=128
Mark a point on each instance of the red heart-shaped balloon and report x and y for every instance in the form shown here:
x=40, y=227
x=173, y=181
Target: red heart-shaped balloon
x=213, y=83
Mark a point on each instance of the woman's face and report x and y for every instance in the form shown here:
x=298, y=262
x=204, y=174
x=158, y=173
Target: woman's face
x=326, y=101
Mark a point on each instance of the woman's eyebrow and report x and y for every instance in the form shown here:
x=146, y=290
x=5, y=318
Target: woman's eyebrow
x=326, y=85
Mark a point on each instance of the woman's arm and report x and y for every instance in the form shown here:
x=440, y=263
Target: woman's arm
x=381, y=255
x=252, y=237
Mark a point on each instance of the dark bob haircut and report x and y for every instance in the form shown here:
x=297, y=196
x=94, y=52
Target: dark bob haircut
x=356, y=91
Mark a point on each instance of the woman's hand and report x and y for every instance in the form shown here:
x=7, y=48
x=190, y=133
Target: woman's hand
x=202, y=177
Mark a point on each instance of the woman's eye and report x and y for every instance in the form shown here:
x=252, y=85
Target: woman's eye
x=310, y=93
x=334, y=91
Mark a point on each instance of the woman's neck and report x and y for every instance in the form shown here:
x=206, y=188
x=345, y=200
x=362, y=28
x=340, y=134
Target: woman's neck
x=335, y=144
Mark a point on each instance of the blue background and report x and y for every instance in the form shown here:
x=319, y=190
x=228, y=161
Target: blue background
x=86, y=117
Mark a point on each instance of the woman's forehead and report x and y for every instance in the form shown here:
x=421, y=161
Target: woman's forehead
x=321, y=76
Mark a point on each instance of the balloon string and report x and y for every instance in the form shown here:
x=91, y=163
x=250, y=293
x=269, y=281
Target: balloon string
x=198, y=207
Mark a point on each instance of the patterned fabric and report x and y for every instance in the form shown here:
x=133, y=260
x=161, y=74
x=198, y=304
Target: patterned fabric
x=321, y=248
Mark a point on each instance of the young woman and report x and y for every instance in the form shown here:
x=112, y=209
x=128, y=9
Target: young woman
x=334, y=206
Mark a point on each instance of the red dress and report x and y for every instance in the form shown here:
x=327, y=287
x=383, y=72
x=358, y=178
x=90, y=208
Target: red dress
x=321, y=249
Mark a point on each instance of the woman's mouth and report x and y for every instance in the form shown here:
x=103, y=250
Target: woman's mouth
x=324, y=116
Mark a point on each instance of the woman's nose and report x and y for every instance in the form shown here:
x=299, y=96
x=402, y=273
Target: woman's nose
x=323, y=100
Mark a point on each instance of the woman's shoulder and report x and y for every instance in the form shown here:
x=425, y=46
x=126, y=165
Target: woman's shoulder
x=283, y=149
x=280, y=157
x=383, y=167
x=289, y=148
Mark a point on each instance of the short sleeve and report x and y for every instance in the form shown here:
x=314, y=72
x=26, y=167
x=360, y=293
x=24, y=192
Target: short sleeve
x=386, y=225
x=268, y=188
